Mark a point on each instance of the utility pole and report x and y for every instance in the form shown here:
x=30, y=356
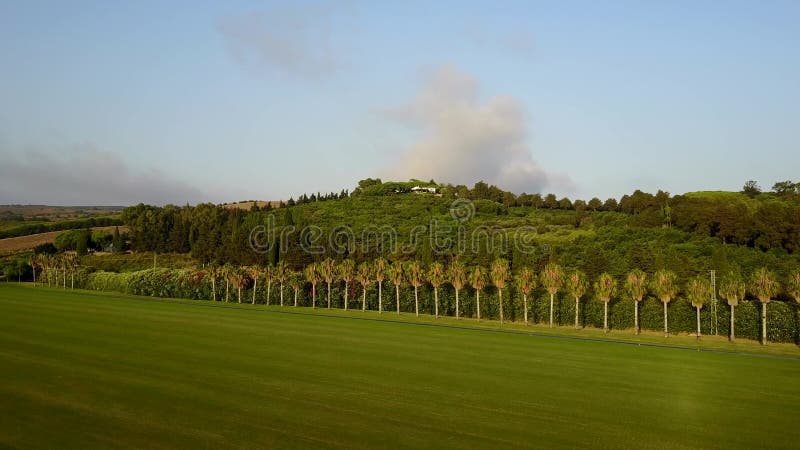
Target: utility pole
x=154, y=259
x=714, y=325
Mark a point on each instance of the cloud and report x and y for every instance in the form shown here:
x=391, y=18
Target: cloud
x=464, y=138
x=292, y=40
x=86, y=176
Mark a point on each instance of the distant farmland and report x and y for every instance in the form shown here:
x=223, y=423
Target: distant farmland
x=22, y=243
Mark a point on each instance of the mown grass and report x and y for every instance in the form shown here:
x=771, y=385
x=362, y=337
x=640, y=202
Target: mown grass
x=83, y=369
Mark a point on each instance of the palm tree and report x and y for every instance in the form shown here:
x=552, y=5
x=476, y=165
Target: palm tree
x=33, y=261
x=576, y=286
x=764, y=286
x=296, y=282
x=253, y=272
x=327, y=270
x=605, y=287
x=346, y=271
x=379, y=270
x=499, y=276
x=665, y=287
x=312, y=276
x=72, y=262
x=732, y=289
x=436, y=277
x=364, y=276
x=477, y=279
x=698, y=290
x=395, y=273
x=227, y=270
x=526, y=282
x=457, y=275
x=552, y=280
x=213, y=272
x=416, y=278
x=793, y=288
x=239, y=280
x=636, y=288
x=269, y=276
x=281, y=275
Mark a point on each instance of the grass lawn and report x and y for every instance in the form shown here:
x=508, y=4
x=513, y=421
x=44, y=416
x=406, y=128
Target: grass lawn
x=83, y=369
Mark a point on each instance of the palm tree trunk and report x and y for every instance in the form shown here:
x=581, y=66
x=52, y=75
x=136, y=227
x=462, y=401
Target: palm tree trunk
x=525, y=302
x=416, y=302
x=763, y=323
x=397, y=296
x=227, y=290
x=500, y=292
x=255, y=288
x=605, y=317
x=698, y=322
x=666, y=328
x=636, y=316
x=281, y=294
x=457, y=315
x=269, y=286
x=364, y=299
x=314, y=296
x=295, y=297
x=34, y=275
x=577, y=306
x=733, y=333
x=380, y=297
x=72, y=280
x=551, y=310
x=436, y=300
x=478, y=301
x=213, y=289
x=345, y=296
x=239, y=293
x=329, y=296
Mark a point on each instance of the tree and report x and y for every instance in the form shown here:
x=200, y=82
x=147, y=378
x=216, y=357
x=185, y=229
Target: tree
x=281, y=275
x=116, y=241
x=751, y=189
x=457, y=275
x=526, y=282
x=379, y=271
x=327, y=270
x=436, y=276
x=784, y=188
x=477, y=279
x=764, y=286
x=605, y=287
x=732, y=289
x=395, y=273
x=499, y=276
x=346, y=271
x=576, y=285
x=415, y=276
x=698, y=290
x=793, y=288
x=226, y=271
x=311, y=273
x=636, y=288
x=364, y=276
x=552, y=279
x=270, y=273
x=665, y=287
x=253, y=272
x=72, y=262
x=296, y=282
x=239, y=280
x=33, y=261
x=213, y=273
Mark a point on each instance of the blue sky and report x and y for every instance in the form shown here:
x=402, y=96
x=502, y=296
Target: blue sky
x=119, y=102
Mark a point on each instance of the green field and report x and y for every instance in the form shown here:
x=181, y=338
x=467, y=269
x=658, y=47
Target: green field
x=83, y=369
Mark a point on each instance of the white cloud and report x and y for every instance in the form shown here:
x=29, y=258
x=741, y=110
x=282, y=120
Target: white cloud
x=293, y=40
x=465, y=138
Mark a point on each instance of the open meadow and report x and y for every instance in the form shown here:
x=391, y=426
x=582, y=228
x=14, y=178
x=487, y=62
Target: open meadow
x=85, y=369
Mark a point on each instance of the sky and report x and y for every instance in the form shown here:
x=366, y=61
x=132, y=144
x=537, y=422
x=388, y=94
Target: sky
x=116, y=103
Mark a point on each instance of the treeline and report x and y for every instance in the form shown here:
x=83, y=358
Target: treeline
x=553, y=295
x=28, y=229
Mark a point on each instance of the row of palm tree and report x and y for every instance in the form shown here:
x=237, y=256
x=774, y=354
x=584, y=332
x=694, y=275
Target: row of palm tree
x=54, y=268
x=553, y=279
